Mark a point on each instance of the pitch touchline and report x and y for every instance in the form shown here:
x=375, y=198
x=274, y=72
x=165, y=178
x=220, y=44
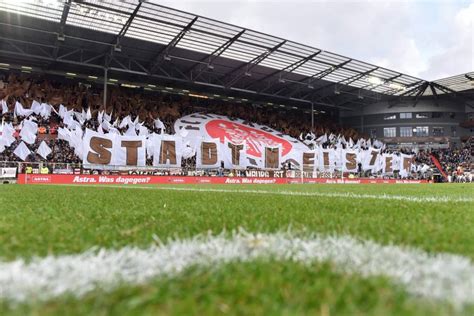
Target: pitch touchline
x=436, y=199
x=444, y=277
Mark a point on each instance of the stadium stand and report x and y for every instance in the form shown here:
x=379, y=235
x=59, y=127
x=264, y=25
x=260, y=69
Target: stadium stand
x=169, y=107
x=93, y=56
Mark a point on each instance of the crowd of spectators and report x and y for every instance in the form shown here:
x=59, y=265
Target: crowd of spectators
x=166, y=106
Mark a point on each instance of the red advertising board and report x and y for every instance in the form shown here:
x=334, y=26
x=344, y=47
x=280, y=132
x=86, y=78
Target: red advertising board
x=139, y=179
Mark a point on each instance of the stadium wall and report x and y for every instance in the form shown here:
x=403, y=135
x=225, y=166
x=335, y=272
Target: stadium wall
x=137, y=179
x=441, y=122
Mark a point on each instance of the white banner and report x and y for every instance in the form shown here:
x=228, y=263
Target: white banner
x=217, y=140
x=209, y=154
x=326, y=159
x=7, y=173
x=167, y=151
x=350, y=160
x=234, y=155
x=370, y=159
x=257, y=137
x=113, y=149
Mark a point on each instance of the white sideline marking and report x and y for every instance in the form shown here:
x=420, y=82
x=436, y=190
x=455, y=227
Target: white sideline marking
x=421, y=199
x=445, y=277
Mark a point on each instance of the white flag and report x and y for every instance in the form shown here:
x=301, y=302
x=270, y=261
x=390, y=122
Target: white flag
x=28, y=131
x=108, y=117
x=22, y=151
x=125, y=122
x=131, y=131
x=62, y=111
x=113, y=130
x=100, y=116
x=322, y=139
x=106, y=125
x=45, y=110
x=159, y=124
x=351, y=142
x=143, y=131
x=80, y=116
x=44, y=150
x=36, y=107
x=4, y=106
x=7, y=138
x=64, y=134
x=76, y=142
x=20, y=111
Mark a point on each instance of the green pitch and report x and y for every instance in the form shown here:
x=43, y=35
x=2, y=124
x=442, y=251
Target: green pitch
x=36, y=221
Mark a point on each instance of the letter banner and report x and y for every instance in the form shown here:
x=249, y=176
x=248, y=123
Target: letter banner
x=234, y=155
x=113, y=149
x=350, y=160
x=370, y=159
x=208, y=154
x=326, y=159
x=405, y=165
x=216, y=140
x=167, y=151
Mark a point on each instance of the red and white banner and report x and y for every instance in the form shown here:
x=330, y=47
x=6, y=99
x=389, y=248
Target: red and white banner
x=131, y=179
x=217, y=141
x=259, y=141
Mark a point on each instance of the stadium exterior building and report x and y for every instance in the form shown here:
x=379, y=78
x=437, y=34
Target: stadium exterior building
x=143, y=45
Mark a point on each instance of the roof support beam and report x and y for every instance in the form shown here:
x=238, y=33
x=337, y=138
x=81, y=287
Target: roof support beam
x=127, y=24
x=359, y=95
x=216, y=53
x=330, y=70
x=435, y=94
x=420, y=93
x=454, y=94
x=444, y=88
x=290, y=68
x=249, y=66
x=62, y=23
x=371, y=88
x=158, y=59
x=317, y=76
x=346, y=81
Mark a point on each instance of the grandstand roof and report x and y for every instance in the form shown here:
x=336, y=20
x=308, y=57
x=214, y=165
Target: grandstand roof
x=143, y=38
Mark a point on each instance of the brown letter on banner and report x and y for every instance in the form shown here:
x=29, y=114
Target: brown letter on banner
x=132, y=151
x=208, y=153
x=407, y=163
x=308, y=161
x=326, y=159
x=235, y=152
x=101, y=156
x=351, y=163
x=168, y=152
x=388, y=164
x=374, y=158
x=271, y=158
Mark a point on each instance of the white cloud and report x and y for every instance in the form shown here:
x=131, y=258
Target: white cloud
x=458, y=54
x=428, y=39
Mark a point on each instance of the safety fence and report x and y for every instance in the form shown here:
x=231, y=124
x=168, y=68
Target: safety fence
x=71, y=173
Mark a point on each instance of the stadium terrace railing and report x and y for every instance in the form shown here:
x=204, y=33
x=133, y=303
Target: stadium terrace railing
x=78, y=168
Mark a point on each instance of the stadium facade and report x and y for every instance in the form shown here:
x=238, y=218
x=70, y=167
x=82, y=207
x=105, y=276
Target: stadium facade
x=146, y=46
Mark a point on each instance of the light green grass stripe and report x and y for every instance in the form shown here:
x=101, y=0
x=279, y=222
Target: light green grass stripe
x=444, y=277
x=349, y=195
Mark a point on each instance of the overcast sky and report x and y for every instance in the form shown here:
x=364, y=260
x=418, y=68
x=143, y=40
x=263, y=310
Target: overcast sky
x=430, y=39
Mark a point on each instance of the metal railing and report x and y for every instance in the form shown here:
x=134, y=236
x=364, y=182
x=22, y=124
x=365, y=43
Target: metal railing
x=78, y=168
